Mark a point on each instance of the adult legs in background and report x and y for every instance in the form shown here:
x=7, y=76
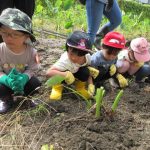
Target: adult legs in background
x=5, y=4
x=95, y=11
x=26, y=6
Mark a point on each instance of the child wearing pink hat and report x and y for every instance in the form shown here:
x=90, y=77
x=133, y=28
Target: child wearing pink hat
x=132, y=61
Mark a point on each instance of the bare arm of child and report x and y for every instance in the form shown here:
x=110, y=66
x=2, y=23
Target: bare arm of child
x=69, y=77
x=54, y=71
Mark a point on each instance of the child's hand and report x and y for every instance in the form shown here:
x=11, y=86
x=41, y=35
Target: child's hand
x=6, y=80
x=123, y=82
x=93, y=72
x=139, y=64
x=112, y=70
x=91, y=89
x=69, y=79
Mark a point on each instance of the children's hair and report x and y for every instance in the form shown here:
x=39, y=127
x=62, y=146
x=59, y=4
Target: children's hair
x=79, y=40
x=76, y=51
x=111, y=50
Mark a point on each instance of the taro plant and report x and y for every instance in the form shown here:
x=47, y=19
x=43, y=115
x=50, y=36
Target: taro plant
x=99, y=99
x=47, y=147
x=54, y=80
x=116, y=101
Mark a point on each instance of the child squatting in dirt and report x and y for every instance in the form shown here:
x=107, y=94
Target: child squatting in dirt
x=73, y=65
x=105, y=59
x=18, y=59
x=131, y=62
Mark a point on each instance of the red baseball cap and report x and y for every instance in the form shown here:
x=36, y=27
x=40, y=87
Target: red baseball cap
x=114, y=39
x=140, y=48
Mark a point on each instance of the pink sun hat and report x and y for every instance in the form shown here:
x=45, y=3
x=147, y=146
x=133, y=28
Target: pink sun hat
x=140, y=47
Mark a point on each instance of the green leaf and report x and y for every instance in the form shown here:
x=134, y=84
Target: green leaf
x=68, y=25
x=39, y=8
x=57, y=79
x=45, y=147
x=58, y=3
x=67, y=4
x=116, y=101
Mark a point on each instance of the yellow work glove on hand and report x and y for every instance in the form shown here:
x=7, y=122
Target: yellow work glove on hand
x=139, y=64
x=93, y=72
x=69, y=79
x=91, y=89
x=112, y=70
x=122, y=80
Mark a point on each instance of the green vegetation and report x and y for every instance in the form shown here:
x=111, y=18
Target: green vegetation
x=99, y=99
x=68, y=15
x=116, y=101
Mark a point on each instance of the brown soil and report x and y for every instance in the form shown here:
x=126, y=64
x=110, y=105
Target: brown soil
x=69, y=125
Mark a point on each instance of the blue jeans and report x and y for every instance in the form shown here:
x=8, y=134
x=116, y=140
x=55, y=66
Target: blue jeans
x=95, y=10
x=143, y=72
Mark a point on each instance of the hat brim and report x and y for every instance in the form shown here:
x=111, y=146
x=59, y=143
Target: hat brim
x=77, y=47
x=142, y=57
x=18, y=28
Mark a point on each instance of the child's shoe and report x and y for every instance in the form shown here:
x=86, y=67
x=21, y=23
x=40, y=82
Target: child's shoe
x=56, y=93
x=80, y=87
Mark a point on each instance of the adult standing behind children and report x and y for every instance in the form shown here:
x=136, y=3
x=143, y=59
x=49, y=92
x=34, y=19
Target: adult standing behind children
x=27, y=6
x=95, y=10
x=18, y=59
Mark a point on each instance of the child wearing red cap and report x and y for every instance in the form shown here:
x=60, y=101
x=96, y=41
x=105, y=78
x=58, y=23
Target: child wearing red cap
x=73, y=66
x=105, y=59
x=132, y=61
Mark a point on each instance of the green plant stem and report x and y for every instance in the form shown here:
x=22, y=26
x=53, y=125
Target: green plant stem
x=99, y=97
x=116, y=101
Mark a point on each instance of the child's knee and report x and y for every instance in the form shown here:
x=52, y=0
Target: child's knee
x=124, y=68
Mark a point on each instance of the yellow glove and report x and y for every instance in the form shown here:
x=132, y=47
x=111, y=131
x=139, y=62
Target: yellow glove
x=138, y=64
x=122, y=80
x=91, y=89
x=112, y=70
x=93, y=72
x=69, y=79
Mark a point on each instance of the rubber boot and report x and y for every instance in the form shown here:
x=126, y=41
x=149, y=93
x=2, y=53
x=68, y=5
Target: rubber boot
x=99, y=36
x=6, y=103
x=81, y=88
x=56, y=93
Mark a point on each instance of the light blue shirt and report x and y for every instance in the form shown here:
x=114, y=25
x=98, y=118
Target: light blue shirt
x=98, y=60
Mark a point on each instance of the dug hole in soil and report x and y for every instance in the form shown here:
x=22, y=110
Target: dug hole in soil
x=68, y=125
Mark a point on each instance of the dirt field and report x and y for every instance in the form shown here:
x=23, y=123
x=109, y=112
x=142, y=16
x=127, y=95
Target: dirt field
x=68, y=125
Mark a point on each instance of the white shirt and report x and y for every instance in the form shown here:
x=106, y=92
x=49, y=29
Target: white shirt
x=64, y=63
